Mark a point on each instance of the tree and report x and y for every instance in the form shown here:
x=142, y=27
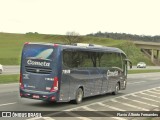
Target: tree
x=72, y=37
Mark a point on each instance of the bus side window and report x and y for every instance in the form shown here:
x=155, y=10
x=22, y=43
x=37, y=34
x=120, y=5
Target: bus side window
x=111, y=60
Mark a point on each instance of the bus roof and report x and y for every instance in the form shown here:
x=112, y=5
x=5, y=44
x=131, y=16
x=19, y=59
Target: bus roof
x=90, y=47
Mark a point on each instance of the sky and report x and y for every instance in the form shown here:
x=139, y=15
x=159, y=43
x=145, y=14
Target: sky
x=141, y=17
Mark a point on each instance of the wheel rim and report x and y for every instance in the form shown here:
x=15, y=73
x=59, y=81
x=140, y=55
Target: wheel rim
x=117, y=88
x=79, y=96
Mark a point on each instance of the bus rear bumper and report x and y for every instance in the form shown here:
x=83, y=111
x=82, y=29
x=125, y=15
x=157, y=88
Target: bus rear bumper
x=45, y=96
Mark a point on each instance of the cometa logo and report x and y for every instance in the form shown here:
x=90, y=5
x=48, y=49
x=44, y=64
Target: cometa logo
x=31, y=62
x=114, y=73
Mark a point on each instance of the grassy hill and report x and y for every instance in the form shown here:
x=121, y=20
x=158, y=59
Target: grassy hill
x=11, y=46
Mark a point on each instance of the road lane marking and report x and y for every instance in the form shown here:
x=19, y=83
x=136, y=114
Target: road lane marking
x=10, y=84
x=75, y=115
x=146, y=98
x=156, y=90
x=7, y=104
x=35, y=118
x=130, y=105
x=136, y=82
x=153, y=92
x=118, y=109
x=48, y=118
x=111, y=107
x=112, y=98
x=90, y=109
x=149, y=95
x=45, y=118
x=140, y=102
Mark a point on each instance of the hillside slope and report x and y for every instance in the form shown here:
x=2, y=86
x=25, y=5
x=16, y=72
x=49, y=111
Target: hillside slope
x=11, y=46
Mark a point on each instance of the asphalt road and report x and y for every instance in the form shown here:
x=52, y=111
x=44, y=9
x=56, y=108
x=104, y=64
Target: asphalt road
x=142, y=94
x=148, y=67
x=11, y=69
x=8, y=70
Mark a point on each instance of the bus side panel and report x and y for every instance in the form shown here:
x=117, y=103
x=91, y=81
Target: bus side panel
x=96, y=81
x=104, y=87
x=71, y=80
x=90, y=79
x=64, y=79
x=79, y=78
x=113, y=76
x=64, y=87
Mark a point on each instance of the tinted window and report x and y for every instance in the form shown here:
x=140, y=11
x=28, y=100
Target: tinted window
x=111, y=60
x=75, y=59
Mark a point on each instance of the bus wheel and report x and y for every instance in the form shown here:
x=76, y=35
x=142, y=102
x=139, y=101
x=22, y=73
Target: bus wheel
x=116, y=89
x=79, y=96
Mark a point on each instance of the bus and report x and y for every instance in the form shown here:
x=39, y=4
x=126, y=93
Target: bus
x=63, y=73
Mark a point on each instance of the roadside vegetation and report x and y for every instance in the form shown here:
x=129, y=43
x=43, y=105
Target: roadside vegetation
x=11, y=46
x=9, y=78
x=143, y=71
x=4, y=79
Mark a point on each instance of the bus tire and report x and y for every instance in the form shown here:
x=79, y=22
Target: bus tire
x=79, y=96
x=115, y=92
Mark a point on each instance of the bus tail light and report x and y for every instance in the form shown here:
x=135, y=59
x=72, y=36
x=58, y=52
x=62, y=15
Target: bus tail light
x=21, y=94
x=26, y=43
x=20, y=82
x=52, y=98
x=55, y=85
x=55, y=45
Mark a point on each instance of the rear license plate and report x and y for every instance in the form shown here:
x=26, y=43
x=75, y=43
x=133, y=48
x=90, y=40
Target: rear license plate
x=36, y=96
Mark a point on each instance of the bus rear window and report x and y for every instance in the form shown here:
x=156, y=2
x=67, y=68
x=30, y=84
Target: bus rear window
x=38, y=52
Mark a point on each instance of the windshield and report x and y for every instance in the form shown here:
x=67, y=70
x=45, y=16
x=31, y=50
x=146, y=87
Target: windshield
x=38, y=52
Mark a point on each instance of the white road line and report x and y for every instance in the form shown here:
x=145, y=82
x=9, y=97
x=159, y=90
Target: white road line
x=9, y=84
x=146, y=98
x=136, y=82
x=118, y=118
x=75, y=115
x=48, y=118
x=140, y=102
x=149, y=95
x=110, y=99
x=111, y=107
x=90, y=109
x=156, y=90
x=118, y=109
x=153, y=92
x=7, y=104
x=130, y=105
x=36, y=118
x=152, y=79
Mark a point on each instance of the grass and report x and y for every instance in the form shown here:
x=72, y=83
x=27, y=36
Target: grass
x=15, y=78
x=9, y=78
x=11, y=46
x=142, y=71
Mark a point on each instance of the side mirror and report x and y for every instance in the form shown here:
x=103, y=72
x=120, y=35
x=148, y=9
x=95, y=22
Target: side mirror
x=130, y=63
